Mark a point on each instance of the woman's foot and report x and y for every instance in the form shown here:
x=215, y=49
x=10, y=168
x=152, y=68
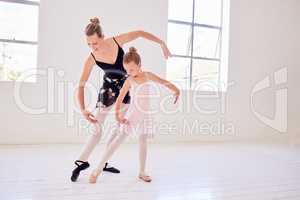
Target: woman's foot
x=145, y=177
x=81, y=165
x=111, y=169
x=94, y=175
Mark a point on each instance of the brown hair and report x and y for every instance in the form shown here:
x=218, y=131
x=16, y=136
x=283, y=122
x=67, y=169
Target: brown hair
x=132, y=55
x=94, y=27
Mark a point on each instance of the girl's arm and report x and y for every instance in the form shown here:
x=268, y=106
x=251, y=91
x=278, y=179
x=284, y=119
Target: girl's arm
x=88, y=65
x=164, y=82
x=120, y=118
x=130, y=36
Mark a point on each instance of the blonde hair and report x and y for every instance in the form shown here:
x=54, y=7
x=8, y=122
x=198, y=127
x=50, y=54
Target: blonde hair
x=94, y=27
x=132, y=55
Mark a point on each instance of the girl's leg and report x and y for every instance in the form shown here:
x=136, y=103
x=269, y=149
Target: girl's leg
x=124, y=109
x=114, y=142
x=142, y=152
x=115, y=132
x=107, y=154
x=143, y=157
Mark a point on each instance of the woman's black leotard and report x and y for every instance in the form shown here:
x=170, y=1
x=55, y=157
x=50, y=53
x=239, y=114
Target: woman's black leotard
x=113, y=80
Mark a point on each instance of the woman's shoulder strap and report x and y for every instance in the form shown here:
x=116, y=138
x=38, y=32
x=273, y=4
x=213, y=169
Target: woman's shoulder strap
x=93, y=56
x=116, y=41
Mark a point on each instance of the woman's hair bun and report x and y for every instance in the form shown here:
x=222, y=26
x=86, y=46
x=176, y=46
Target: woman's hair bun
x=132, y=50
x=95, y=20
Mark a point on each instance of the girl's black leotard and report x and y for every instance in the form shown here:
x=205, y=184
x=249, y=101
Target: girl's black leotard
x=113, y=80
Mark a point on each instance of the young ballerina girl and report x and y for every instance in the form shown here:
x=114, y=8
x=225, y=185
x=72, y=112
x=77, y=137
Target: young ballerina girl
x=137, y=118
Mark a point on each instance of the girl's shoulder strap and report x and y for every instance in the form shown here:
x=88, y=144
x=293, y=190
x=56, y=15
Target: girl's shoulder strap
x=147, y=76
x=131, y=80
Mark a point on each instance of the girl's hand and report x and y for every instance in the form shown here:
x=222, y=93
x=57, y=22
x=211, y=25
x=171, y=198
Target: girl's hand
x=122, y=120
x=165, y=50
x=89, y=116
x=177, y=93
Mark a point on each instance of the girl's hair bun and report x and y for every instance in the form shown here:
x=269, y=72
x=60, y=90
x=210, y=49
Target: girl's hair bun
x=132, y=50
x=95, y=20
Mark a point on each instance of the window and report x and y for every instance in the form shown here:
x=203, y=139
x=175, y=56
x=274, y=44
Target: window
x=18, y=38
x=198, y=40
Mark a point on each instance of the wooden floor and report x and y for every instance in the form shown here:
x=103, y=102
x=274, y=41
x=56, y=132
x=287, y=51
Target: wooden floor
x=188, y=171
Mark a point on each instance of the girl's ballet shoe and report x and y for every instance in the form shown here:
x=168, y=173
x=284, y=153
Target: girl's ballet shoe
x=93, y=177
x=145, y=178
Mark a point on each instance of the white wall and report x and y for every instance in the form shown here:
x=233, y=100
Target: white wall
x=263, y=38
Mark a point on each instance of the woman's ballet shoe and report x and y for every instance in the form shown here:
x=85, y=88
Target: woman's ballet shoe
x=93, y=177
x=81, y=165
x=145, y=178
x=111, y=169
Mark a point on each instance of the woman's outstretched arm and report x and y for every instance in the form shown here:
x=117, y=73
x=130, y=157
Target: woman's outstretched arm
x=130, y=36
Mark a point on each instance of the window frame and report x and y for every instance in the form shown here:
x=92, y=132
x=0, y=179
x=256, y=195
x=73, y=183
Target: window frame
x=14, y=41
x=193, y=24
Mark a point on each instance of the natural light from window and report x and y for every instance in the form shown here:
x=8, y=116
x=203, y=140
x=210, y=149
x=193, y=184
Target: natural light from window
x=198, y=40
x=18, y=38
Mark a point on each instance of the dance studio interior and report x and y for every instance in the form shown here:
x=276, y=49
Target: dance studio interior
x=149, y=100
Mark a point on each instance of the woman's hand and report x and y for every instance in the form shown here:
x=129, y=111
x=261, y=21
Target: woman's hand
x=177, y=93
x=165, y=50
x=89, y=116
